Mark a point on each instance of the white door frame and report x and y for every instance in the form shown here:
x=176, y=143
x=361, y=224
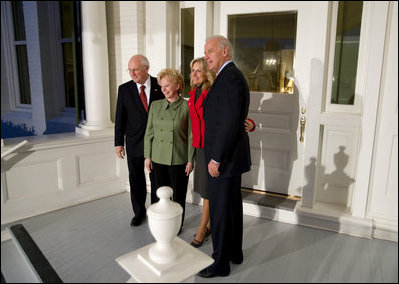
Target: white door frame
x=309, y=70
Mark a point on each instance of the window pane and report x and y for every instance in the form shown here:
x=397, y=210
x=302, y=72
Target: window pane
x=346, y=52
x=18, y=18
x=67, y=26
x=264, y=49
x=187, y=45
x=23, y=73
x=69, y=75
x=67, y=19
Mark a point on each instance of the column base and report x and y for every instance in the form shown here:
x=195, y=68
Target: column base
x=95, y=130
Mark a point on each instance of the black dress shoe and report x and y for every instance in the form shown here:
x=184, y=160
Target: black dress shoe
x=237, y=261
x=207, y=273
x=136, y=221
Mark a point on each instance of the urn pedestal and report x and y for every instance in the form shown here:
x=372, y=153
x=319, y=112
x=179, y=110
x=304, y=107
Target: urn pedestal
x=169, y=259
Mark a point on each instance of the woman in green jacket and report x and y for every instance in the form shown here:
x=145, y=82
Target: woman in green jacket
x=168, y=149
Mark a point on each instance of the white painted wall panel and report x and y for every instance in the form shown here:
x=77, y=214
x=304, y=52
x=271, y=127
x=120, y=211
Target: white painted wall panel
x=25, y=181
x=96, y=167
x=392, y=179
x=383, y=198
x=338, y=165
x=60, y=172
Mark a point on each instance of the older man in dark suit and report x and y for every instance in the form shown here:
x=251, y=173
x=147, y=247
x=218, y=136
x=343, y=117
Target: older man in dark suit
x=134, y=100
x=227, y=153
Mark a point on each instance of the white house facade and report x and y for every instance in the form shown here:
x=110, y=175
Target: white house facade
x=337, y=153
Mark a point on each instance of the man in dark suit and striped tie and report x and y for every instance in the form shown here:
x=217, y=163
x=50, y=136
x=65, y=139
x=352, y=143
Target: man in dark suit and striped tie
x=134, y=100
x=227, y=155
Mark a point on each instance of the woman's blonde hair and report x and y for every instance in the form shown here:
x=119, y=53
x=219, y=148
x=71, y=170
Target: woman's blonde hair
x=173, y=75
x=209, y=74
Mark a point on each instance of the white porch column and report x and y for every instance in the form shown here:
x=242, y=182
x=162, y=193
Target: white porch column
x=161, y=25
x=95, y=70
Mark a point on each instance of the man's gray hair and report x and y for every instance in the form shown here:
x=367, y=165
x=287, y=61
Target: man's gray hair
x=223, y=42
x=144, y=61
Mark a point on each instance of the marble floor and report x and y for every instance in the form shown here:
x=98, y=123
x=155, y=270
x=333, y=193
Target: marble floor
x=82, y=242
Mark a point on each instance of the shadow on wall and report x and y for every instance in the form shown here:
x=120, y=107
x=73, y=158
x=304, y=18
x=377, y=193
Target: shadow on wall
x=11, y=130
x=335, y=187
x=59, y=127
x=64, y=123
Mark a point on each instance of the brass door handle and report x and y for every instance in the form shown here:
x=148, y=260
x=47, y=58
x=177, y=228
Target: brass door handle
x=303, y=122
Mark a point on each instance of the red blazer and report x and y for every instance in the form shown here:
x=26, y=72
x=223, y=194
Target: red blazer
x=197, y=118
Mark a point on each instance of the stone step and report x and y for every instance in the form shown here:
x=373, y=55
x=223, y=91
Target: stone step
x=270, y=205
x=21, y=259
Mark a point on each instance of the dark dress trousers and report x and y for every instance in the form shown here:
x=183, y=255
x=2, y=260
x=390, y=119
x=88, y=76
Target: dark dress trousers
x=130, y=124
x=226, y=141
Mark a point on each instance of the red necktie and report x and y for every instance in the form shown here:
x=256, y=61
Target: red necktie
x=143, y=98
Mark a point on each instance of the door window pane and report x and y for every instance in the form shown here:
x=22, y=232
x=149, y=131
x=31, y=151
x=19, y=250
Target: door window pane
x=187, y=46
x=264, y=49
x=346, y=52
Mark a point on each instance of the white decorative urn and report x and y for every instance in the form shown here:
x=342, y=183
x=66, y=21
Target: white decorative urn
x=164, y=219
x=169, y=259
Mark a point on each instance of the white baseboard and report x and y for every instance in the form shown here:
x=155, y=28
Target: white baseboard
x=323, y=219
x=386, y=230
x=339, y=222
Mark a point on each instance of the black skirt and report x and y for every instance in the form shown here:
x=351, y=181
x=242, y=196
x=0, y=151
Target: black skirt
x=200, y=173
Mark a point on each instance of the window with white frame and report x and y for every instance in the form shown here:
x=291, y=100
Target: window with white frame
x=346, y=40
x=50, y=95
x=346, y=52
x=19, y=42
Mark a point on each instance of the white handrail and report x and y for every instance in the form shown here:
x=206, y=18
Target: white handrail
x=9, y=151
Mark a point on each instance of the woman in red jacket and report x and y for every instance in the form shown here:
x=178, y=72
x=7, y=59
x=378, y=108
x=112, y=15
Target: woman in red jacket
x=201, y=80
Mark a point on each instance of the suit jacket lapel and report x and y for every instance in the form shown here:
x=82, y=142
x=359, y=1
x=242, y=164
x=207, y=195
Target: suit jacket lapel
x=154, y=88
x=134, y=92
